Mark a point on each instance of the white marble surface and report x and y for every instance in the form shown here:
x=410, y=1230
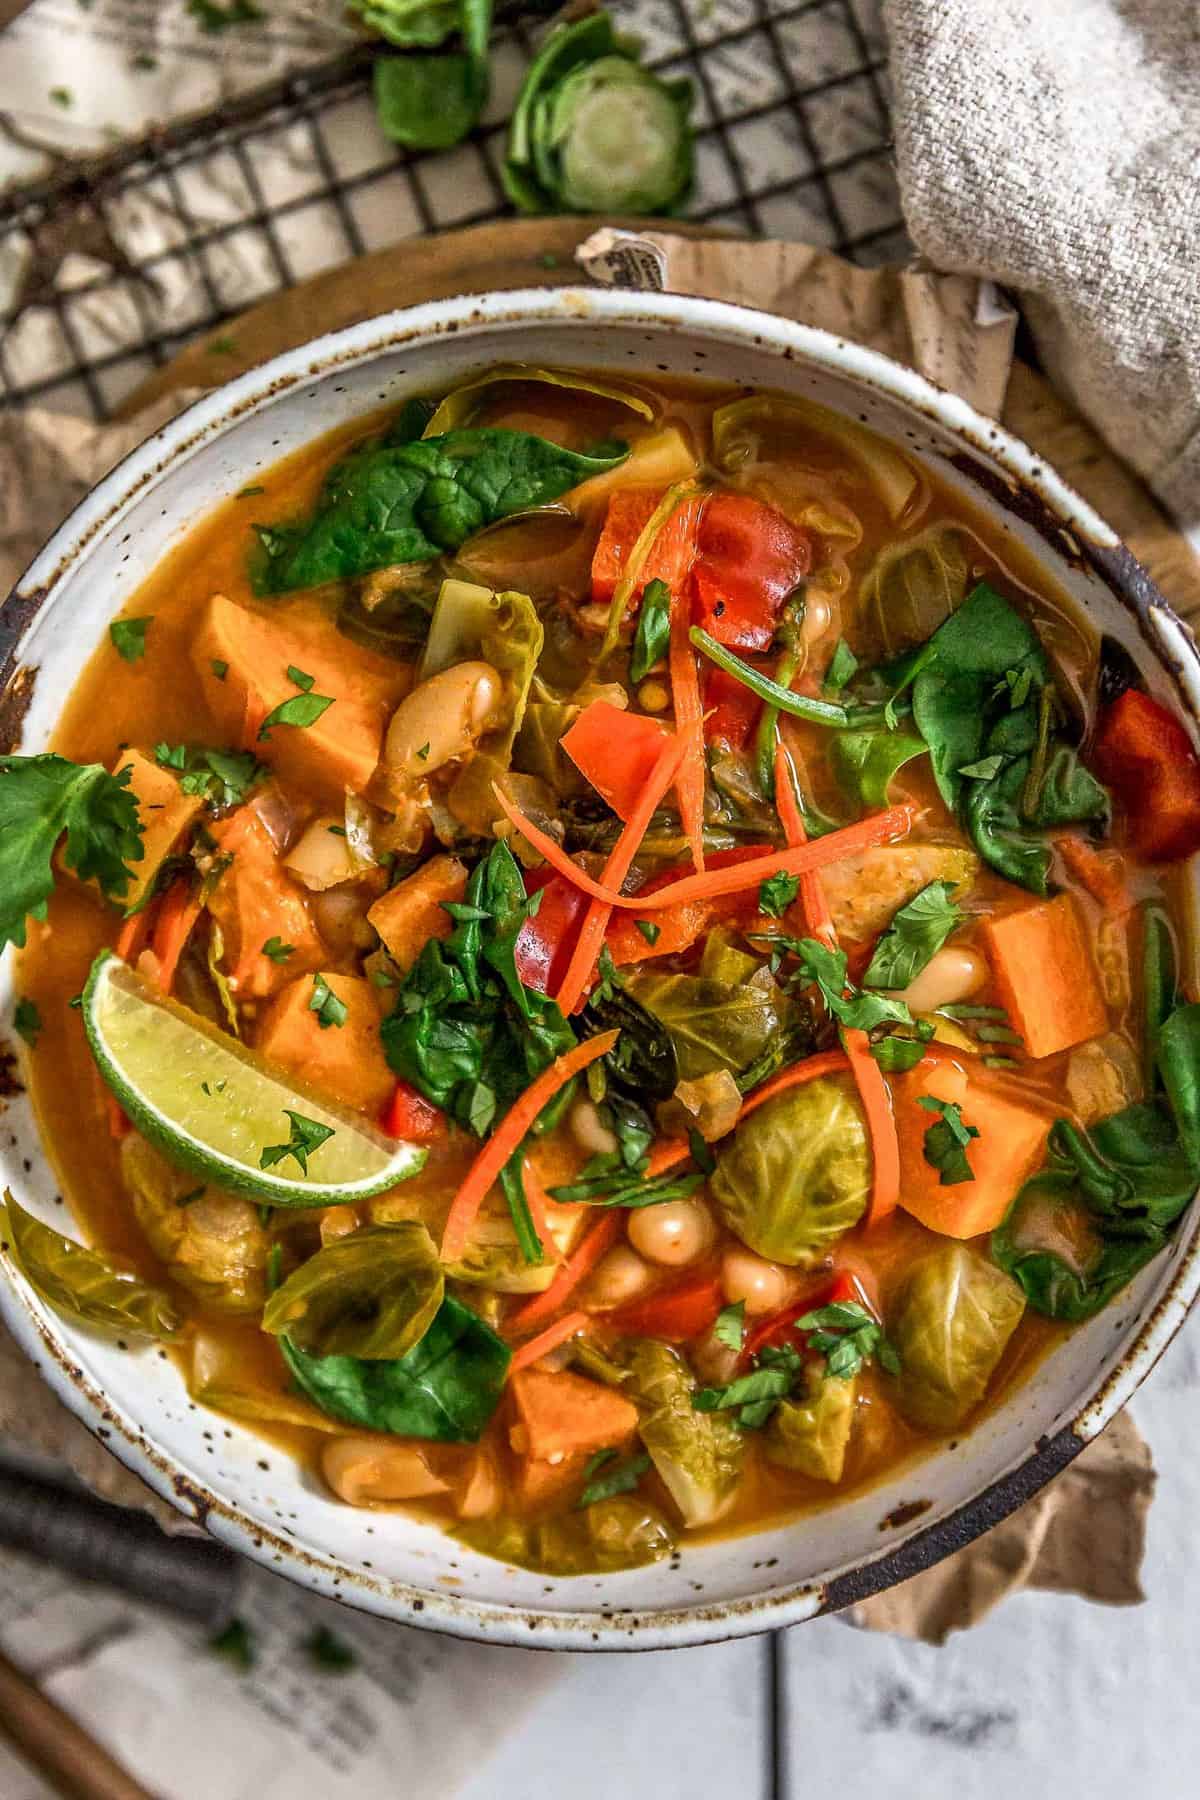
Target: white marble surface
x=1050, y=1696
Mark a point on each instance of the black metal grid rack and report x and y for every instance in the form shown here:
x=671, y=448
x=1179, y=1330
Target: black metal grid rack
x=131, y=253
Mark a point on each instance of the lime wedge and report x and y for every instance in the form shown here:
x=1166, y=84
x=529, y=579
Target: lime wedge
x=214, y=1107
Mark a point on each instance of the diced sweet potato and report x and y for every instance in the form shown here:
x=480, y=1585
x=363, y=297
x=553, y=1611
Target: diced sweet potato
x=346, y=1060
x=242, y=658
x=561, y=1414
x=165, y=811
x=411, y=913
x=537, y=1484
x=1012, y=1137
x=255, y=900
x=865, y=890
x=1045, y=975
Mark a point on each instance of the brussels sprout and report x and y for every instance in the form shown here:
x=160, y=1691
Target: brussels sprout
x=697, y=1455
x=536, y=750
x=915, y=586
x=81, y=1283
x=212, y=1243
x=796, y=1174
x=950, y=1324
x=713, y=1024
x=812, y=1435
x=724, y=959
x=371, y=1294
x=621, y=1533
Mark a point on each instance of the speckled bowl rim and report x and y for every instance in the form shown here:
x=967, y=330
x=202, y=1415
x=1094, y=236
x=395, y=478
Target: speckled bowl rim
x=1030, y=489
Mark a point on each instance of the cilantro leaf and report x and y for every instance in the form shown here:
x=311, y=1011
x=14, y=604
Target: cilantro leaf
x=129, y=637
x=301, y=711
x=947, y=1139
x=649, y=930
x=301, y=678
x=307, y=1135
x=219, y=667
x=653, y=630
x=777, y=893
x=41, y=797
x=897, y=1052
x=325, y=1003
x=842, y=666
x=915, y=935
x=847, y=1336
x=854, y=1008
x=222, y=778
x=621, y=1477
x=730, y=1328
x=277, y=950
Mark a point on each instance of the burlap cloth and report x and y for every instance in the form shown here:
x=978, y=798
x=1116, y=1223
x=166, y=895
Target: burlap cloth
x=1084, y=1534
x=1054, y=145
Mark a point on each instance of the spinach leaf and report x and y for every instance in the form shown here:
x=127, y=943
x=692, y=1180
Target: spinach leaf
x=865, y=762
x=642, y=1062
x=446, y=1388
x=946, y=1141
x=653, y=630
x=915, y=935
x=391, y=503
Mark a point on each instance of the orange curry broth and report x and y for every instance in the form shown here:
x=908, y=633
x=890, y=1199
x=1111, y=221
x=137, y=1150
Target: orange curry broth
x=115, y=704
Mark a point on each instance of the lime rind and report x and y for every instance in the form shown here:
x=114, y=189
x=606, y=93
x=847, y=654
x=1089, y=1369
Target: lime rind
x=212, y=1106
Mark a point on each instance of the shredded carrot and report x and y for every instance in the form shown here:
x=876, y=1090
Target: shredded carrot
x=814, y=907
x=714, y=884
x=578, y=1266
x=1100, y=873
x=131, y=939
x=535, y=1200
x=687, y=705
x=172, y=928
x=507, y=1136
x=595, y=920
x=548, y=1340
x=118, y=1124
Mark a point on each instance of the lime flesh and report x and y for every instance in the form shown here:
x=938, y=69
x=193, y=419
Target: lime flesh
x=214, y=1107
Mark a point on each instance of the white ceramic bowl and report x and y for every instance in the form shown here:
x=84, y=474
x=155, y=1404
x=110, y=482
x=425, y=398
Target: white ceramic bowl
x=251, y=1496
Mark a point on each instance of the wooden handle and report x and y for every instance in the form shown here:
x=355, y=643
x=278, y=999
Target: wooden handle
x=50, y=1739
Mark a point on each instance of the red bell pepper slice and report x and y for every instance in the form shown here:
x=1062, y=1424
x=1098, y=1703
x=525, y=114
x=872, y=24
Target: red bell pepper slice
x=678, y=1315
x=628, y=513
x=1145, y=755
x=779, y=1328
x=730, y=710
x=680, y=926
x=411, y=1116
x=750, y=559
x=546, y=941
x=616, y=751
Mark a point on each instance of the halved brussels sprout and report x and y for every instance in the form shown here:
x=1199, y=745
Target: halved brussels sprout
x=713, y=1024
x=950, y=1324
x=812, y=1435
x=372, y=1294
x=697, y=1455
x=212, y=1243
x=622, y=1533
x=81, y=1283
x=797, y=1173
x=725, y=959
x=913, y=587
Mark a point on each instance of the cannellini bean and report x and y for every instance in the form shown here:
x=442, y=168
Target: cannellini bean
x=364, y=1472
x=764, y=1286
x=440, y=721
x=818, y=616
x=321, y=857
x=673, y=1234
x=589, y=1130
x=338, y=1222
x=950, y=975
x=618, y=1277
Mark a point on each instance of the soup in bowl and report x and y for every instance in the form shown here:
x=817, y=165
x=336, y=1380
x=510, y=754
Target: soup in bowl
x=604, y=955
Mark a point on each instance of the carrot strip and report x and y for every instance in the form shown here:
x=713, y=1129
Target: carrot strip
x=814, y=907
x=176, y=919
x=1099, y=874
x=876, y=1099
x=548, y=1340
x=535, y=1200
x=578, y=1266
x=595, y=920
x=118, y=1124
x=131, y=939
x=714, y=884
x=688, y=709
x=507, y=1136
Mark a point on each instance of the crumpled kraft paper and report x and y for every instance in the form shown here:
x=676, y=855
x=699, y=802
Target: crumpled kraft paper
x=1085, y=1533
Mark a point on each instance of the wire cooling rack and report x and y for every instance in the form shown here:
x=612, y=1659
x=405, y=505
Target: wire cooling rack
x=125, y=257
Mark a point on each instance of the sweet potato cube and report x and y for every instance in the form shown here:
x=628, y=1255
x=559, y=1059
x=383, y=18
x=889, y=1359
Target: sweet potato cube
x=1045, y=975
x=411, y=913
x=346, y=1061
x=559, y=1414
x=165, y=811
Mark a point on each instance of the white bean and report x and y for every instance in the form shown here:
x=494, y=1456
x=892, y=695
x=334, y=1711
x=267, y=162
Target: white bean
x=589, y=1130
x=675, y=1233
x=618, y=1277
x=951, y=975
x=818, y=616
x=321, y=857
x=364, y=1472
x=764, y=1286
x=440, y=720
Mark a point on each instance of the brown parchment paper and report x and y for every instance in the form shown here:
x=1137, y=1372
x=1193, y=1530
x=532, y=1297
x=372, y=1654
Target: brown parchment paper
x=1085, y=1533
